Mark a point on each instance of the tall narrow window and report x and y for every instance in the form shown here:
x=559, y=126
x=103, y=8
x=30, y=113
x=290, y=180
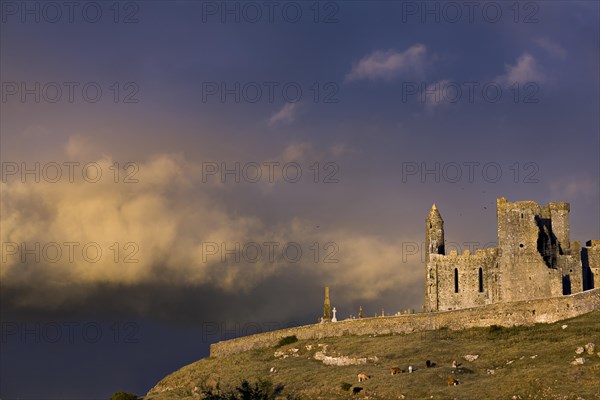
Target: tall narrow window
x=455, y=280
x=480, y=280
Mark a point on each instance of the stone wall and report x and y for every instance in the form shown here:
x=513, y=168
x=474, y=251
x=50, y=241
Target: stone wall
x=590, y=256
x=558, y=214
x=504, y=314
x=461, y=272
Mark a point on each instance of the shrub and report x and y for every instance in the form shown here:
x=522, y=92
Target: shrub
x=263, y=389
x=345, y=386
x=287, y=340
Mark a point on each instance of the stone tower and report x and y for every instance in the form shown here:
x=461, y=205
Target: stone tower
x=327, y=306
x=434, y=233
x=434, y=244
x=530, y=243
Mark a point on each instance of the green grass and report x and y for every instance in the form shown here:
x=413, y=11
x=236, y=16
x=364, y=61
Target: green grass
x=547, y=376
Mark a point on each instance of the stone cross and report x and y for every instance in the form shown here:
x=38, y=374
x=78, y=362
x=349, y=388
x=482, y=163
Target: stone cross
x=334, y=319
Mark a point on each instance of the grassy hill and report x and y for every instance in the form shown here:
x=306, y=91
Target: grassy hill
x=533, y=362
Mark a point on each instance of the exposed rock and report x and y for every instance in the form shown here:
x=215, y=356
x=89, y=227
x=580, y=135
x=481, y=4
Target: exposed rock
x=491, y=371
x=533, y=356
x=290, y=352
x=471, y=357
x=578, y=361
x=339, y=361
x=579, y=350
x=564, y=326
x=590, y=348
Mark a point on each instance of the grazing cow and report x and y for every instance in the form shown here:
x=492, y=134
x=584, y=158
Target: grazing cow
x=452, y=381
x=454, y=364
x=396, y=370
x=356, y=390
x=363, y=377
x=279, y=388
x=410, y=369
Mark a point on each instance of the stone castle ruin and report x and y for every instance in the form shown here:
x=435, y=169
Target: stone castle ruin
x=535, y=275
x=534, y=259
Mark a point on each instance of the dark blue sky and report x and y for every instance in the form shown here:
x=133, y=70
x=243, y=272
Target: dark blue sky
x=389, y=91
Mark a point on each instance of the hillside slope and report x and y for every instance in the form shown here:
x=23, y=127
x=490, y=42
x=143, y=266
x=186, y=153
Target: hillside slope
x=534, y=362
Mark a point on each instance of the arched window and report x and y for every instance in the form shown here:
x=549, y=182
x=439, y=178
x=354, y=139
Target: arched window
x=480, y=280
x=455, y=280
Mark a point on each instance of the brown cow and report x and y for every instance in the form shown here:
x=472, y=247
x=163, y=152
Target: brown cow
x=363, y=377
x=396, y=370
x=452, y=381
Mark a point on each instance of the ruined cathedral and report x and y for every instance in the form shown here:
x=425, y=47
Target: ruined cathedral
x=534, y=259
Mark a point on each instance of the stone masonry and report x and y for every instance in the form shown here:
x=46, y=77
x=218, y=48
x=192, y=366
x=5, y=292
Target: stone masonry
x=534, y=259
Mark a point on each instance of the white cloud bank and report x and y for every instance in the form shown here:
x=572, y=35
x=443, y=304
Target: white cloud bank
x=170, y=215
x=285, y=116
x=389, y=64
x=525, y=70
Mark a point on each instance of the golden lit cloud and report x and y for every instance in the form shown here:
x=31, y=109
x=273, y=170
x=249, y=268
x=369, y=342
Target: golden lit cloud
x=160, y=224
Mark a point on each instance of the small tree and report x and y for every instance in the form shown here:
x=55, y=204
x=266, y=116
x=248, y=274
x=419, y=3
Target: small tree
x=287, y=340
x=263, y=389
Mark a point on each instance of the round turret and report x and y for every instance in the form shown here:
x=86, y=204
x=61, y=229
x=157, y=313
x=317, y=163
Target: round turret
x=434, y=233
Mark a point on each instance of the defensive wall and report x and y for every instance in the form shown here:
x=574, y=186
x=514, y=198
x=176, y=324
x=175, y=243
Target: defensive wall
x=526, y=312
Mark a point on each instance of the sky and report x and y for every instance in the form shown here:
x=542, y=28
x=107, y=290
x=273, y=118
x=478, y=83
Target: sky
x=179, y=173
